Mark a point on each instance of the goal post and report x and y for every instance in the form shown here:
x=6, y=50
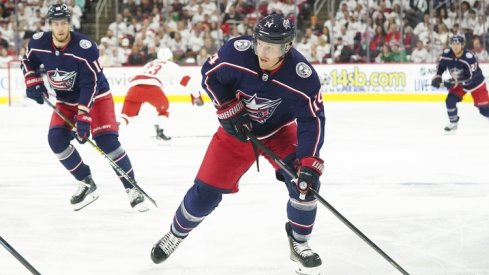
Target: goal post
x=12, y=92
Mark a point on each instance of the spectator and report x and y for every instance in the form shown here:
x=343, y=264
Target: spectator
x=109, y=40
x=202, y=57
x=177, y=46
x=420, y=54
x=136, y=57
x=398, y=54
x=385, y=55
x=409, y=40
x=378, y=40
x=5, y=58
x=480, y=53
x=118, y=27
x=393, y=36
x=76, y=14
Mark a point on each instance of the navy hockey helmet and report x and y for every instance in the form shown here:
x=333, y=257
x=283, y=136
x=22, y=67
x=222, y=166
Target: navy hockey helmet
x=275, y=29
x=457, y=39
x=59, y=11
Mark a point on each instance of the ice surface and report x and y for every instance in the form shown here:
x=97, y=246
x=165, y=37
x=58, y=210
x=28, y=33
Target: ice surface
x=420, y=195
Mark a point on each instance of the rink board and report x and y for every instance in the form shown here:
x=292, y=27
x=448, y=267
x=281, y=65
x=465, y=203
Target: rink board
x=340, y=82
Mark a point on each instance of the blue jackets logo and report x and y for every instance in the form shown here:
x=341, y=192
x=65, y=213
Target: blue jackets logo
x=61, y=80
x=259, y=109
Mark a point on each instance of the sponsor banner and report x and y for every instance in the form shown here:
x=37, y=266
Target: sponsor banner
x=359, y=82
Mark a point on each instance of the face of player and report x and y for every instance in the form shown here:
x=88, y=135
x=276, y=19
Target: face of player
x=61, y=31
x=457, y=48
x=269, y=55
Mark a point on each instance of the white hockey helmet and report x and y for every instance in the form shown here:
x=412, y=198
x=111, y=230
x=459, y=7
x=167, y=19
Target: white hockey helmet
x=165, y=54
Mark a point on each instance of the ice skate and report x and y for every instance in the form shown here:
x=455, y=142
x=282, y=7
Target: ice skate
x=160, y=134
x=165, y=247
x=452, y=126
x=309, y=262
x=85, y=194
x=136, y=200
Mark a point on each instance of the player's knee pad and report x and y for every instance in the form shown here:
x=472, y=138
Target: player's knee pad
x=59, y=139
x=201, y=200
x=484, y=110
x=108, y=142
x=452, y=100
x=294, y=192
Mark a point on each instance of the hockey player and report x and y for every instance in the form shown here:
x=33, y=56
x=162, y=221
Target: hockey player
x=466, y=76
x=148, y=84
x=263, y=85
x=83, y=95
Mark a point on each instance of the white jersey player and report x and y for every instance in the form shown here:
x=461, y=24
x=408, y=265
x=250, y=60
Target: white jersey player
x=149, y=86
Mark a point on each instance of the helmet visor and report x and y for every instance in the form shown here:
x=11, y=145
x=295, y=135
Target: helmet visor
x=269, y=50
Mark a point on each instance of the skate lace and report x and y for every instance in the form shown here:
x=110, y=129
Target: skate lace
x=302, y=249
x=81, y=187
x=169, y=243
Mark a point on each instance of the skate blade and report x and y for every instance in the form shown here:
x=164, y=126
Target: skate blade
x=450, y=133
x=301, y=270
x=141, y=207
x=88, y=200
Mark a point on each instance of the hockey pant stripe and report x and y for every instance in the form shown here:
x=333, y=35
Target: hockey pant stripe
x=197, y=204
x=59, y=141
x=110, y=144
x=301, y=215
x=66, y=153
x=189, y=216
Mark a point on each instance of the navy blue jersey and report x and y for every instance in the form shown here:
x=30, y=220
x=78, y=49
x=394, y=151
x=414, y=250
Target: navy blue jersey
x=273, y=99
x=73, y=72
x=466, y=69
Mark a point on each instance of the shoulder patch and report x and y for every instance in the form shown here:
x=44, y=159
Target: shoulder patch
x=446, y=51
x=303, y=70
x=469, y=55
x=242, y=45
x=85, y=44
x=37, y=35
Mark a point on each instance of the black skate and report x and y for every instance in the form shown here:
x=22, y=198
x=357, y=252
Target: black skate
x=136, y=200
x=160, y=133
x=309, y=261
x=85, y=194
x=165, y=247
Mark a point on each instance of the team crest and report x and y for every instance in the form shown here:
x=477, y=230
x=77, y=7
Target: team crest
x=259, y=109
x=286, y=24
x=303, y=70
x=456, y=73
x=242, y=45
x=61, y=80
x=37, y=35
x=85, y=44
x=469, y=55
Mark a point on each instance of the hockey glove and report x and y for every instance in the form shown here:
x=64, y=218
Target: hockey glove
x=36, y=89
x=197, y=100
x=436, y=81
x=449, y=83
x=309, y=171
x=83, y=121
x=234, y=119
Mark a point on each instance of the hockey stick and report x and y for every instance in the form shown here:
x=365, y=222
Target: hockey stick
x=112, y=162
x=292, y=174
x=18, y=257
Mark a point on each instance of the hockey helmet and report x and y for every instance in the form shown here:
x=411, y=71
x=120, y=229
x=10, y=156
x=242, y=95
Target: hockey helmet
x=457, y=39
x=165, y=54
x=58, y=11
x=275, y=29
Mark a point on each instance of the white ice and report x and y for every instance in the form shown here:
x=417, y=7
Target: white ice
x=420, y=195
